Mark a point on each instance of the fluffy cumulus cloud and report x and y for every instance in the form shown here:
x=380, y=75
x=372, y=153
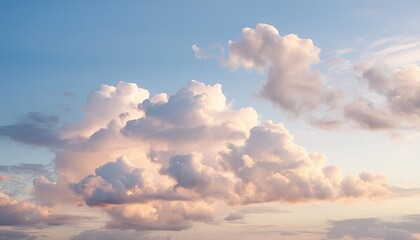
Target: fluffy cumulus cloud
x=162, y=162
x=112, y=183
x=285, y=171
x=106, y=104
x=196, y=115
x=292, y=84
x=373, y=228
x=398, y=92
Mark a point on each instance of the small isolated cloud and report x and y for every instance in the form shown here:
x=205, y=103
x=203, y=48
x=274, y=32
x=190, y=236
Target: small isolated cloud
x=374, y=228
x=291, y=84
x=234, y=216
x=213, y=51
x=344, y=51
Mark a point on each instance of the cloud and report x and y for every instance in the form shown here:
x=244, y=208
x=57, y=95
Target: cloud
x=394, y=52
x=162, y=162
x=31, y=169
x=112, y=234
x=190, y=173
x=158, y=215
x=111, y=184
x=291, y=84
x=234, y=216
x=285, y=171
x=375, y=228
x=15, y=235
x=4, y=178
x=132, y=205
x=15, y=212
x=197, y=114
x=35, y=129
x=213, y=51
x=19, y=178
x=365, y=115
x=344, y=51
x=400, y=92
x=106, y=104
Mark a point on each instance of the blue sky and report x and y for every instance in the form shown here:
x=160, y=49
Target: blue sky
x=350, y=97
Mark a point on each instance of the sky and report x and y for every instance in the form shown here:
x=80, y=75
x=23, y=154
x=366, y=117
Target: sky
x=194, y=120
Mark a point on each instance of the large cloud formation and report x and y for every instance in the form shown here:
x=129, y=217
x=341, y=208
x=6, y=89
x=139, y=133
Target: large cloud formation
x=291, y=84
x=162, y=162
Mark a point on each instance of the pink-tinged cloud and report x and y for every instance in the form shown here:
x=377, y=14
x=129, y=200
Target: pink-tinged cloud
x=14, y=212
x=162, y=162
x=159, y=215
x=105, y=104
x=291, y=83
x=400, y=91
